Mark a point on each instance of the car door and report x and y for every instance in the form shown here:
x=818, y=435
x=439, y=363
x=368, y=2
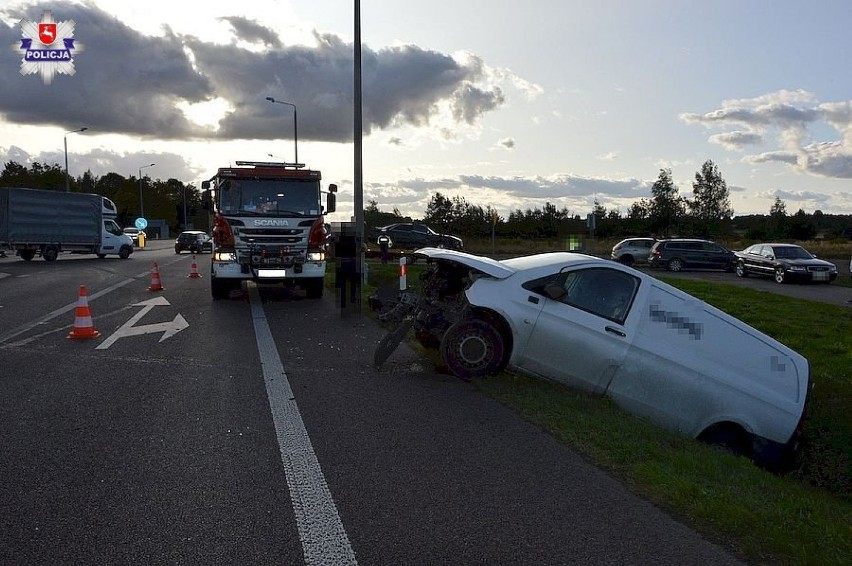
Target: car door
x=717, y=256
x=401, y=236
x=580, y=338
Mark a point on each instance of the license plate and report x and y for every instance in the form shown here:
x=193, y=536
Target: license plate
x=820, y=276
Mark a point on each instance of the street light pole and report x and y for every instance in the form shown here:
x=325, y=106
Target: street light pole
x=295, y=123
x=65, y=140
x=141, y=206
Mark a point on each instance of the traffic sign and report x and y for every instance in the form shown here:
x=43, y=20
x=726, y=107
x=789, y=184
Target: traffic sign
x=141, y=223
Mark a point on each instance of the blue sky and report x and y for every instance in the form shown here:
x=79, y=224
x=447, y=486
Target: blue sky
x=556, y=101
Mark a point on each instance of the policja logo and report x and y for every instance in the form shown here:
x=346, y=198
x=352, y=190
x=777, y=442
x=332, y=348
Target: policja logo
x=46, y=47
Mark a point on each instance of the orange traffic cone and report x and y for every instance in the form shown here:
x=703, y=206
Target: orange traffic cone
x=193, y=269
x=156, y=285
x=83, y=327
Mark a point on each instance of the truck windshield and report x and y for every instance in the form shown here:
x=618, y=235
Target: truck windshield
x=278, y=197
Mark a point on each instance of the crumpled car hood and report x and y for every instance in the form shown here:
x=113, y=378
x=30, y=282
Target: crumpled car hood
x=486, y=265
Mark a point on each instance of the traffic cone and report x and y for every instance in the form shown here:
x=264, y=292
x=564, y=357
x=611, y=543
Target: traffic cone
x=156, y=285
x=83, y=327
x=193, y=269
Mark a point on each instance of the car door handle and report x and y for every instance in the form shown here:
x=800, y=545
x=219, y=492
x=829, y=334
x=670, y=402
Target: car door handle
x=615, y=331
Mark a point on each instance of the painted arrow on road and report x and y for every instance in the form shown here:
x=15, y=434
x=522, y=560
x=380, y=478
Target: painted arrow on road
x=168, y=329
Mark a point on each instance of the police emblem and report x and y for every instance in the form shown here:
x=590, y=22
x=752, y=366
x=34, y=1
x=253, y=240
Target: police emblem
x=47, y=47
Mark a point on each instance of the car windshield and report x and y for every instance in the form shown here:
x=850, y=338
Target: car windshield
x=792, y=252
x=279, y=197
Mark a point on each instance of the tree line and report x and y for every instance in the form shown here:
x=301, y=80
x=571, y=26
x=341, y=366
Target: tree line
x=161, y=199
x=665, y=213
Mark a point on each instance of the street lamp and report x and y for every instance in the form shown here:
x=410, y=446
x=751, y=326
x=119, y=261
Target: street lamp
x=141, y=207
x=65, y=139
x=295, y=123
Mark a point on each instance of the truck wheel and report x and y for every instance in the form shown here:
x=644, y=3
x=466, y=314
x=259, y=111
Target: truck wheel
x=472, y=348
x=125, y=252
x=314, y=288
x=27, y=255
x=50, y=253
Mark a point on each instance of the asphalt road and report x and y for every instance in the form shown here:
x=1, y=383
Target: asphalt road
x=260, y=433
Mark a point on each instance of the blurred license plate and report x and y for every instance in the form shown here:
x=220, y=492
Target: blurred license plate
x=820, y=276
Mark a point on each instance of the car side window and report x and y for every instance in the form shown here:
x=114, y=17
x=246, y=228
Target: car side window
x=604, y=292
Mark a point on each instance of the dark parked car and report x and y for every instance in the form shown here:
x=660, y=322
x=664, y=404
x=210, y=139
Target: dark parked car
x=678, y=254
x=414, y=235
x=194, y=241
x=784, y=262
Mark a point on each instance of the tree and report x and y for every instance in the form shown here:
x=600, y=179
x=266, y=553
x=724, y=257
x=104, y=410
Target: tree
x=666, y=206
x=711, y=203
x=778, y=219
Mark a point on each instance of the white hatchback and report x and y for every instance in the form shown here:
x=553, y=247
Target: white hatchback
x=605, y=328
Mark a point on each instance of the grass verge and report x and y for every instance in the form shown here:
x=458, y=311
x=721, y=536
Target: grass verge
x=804, y=517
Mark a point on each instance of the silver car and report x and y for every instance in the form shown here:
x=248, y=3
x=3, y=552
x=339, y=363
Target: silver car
x=632, y=250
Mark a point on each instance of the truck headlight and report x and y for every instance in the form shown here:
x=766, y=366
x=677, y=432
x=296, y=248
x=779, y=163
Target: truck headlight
x=316, y=256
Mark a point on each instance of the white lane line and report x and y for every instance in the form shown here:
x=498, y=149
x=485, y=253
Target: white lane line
x=60, y=311
x=324, y=541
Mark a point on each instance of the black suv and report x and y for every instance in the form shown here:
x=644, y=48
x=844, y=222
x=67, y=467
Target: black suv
x=193, y=241
x=678, y=254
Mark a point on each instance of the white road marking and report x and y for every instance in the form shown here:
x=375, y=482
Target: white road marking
x=324, y=540
x=168, y=329
x=60, y=311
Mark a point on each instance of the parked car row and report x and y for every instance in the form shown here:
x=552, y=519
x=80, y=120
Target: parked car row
x=783, y=262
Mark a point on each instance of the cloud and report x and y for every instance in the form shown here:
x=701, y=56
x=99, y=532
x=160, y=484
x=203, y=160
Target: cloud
x=252, y=32
x=736, y=140
x=793, y=117
x=132, y=84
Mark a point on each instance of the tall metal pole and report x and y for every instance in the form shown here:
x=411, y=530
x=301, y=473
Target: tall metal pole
x=65, y=140
x=141, y=205
x=295, y=123
x=359, y=171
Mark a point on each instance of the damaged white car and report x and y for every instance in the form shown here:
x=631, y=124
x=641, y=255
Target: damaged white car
x=603, y=327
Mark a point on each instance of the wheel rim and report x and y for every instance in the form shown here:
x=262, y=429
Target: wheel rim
x=779, y=275
x=472, y=350
x=740, y=269
x=675, y=265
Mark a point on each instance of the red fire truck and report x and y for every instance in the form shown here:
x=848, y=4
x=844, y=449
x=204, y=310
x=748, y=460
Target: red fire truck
x=268, y=226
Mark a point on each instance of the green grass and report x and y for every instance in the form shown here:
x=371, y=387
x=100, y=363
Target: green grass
x=804, y=517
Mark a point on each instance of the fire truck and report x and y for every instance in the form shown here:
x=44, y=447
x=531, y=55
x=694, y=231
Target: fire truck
x=268, y=226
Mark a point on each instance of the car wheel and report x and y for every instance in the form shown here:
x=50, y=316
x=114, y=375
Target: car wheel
x=780, y=275
x=741, y=270
x=626, y=260
x=675, y=264
x=177, y=250
x=472, y=348
x=125, y=252
x=728, y=437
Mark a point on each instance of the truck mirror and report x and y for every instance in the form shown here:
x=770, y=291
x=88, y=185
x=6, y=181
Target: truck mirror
x=332, y=188
x=331, y=201
x=205, y=185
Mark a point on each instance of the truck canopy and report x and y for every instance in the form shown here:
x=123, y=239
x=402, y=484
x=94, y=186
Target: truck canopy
x=42, y=216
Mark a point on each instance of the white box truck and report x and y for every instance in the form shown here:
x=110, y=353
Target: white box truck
x=45, y=222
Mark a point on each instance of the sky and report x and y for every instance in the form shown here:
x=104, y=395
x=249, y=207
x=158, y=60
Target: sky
x=506, y=104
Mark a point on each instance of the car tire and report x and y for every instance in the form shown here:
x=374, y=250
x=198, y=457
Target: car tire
x=472, y=348
x=741, y=269
x=728, y=437
x=675, y=264
x=780, y=275
x=125, y=252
